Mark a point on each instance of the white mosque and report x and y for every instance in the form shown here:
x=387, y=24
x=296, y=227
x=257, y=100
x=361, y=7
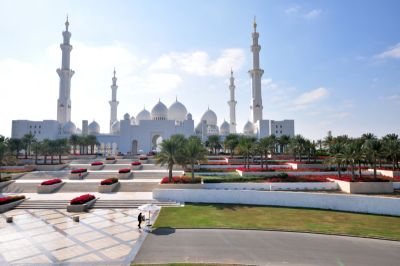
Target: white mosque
x=145, y=132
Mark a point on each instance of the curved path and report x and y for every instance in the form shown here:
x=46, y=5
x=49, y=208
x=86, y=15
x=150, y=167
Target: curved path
x=264, y=248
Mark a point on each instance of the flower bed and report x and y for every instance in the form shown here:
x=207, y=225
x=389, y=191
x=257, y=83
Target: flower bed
x=96, y=165
x=9, y=202
x=79, y=171
x=108, y=185
x=110, y=158
x=109, y=181
x=180, y=180
x=143, y=159
x=244, y=169
x=136, y=165
x=124, y=170
x=124, y=173
x=81, y=203
x=51, y=182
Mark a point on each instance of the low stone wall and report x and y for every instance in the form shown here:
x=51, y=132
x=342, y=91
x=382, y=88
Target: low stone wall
x=364, y=187
x=340, y=202
x=396, y=185
x=274, y=186
x=241, y=173
x=57, y=167
x=389, y=173
x=305, y=166
x=44, y=189
x=108, y=188
x=9, y=206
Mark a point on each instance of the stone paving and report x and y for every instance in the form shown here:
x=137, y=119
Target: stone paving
x=48, y=237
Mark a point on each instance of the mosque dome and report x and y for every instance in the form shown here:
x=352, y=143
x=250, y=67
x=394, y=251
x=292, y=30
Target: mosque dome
x=133, y=120
x=177, y=111
x=224, y=128
x=248, y=128
x=126, y=116
x=94, y=128
x=143, y=115
x=159, y=111
x=115, y=127
x=210, y=117
x=69, y=128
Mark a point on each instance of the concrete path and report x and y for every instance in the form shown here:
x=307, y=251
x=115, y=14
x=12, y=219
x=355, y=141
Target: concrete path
x=264, y=248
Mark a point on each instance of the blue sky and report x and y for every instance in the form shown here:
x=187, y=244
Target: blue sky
x=330, y=65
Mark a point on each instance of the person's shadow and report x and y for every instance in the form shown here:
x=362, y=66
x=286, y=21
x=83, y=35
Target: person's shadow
x=163, y=231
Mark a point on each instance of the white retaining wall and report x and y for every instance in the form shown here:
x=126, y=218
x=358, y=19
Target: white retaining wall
x=396, y=185
x=274, y=186
x=352, y=203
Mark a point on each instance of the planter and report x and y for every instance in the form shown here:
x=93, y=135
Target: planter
x=110, y=161
x=305, y=166
x=389, y=173
x=5, y=183
x=144, y=161
x=108, y=188
x=42, y=189
x=96, y=167
x=181, y=186
x=9, y=206
x=57, y=167
x=77, y=176
x=125, y=175
x=364, y=187
x=81, y=207
x=293, y=186
x=136, y=167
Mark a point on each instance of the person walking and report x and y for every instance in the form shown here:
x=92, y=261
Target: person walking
x=140, y=219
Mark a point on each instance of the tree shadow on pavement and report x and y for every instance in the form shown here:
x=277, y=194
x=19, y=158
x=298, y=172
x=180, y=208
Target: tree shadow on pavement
x=163, y=231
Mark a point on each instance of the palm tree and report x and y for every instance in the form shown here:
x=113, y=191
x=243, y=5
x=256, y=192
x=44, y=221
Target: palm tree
x=172, y=152
x=3, y=148
x=91, y=140
x=36, y=146
x=391, y=148
x=350, y=155
x=15, y=145
x=283, y=141
x=61, y=148
x=231, y=141
x=194, y=152
x=373, y=149
x=45, y=149
x=74, y=141
x=27, y=140
x=336, y=151
x=297, y=146
x=214, y=143
x=245, y=148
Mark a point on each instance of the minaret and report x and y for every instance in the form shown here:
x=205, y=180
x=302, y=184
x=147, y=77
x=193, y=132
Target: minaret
x=256, y=74
x=232, y=105
x=65, y=74
x=113, y=103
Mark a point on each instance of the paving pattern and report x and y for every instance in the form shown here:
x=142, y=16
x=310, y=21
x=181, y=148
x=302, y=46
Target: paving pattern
x=40, y=237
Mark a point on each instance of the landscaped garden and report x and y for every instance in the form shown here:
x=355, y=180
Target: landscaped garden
x=277, y=218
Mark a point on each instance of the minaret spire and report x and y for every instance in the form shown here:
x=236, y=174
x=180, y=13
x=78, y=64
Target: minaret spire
x=256, y=74
x=65, y=74
x=232, y=105
x=113, y=103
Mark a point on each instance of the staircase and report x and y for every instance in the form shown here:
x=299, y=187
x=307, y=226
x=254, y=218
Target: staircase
x=99, y=204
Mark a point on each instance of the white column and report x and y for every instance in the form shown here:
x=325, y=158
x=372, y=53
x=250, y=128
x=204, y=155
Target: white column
x=65, y=74
x=232, y=105
x=256, y=74
x=113, y=103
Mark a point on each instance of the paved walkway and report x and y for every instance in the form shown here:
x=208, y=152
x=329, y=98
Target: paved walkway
x=50, y=237
x=264, y=248
x=71, y=195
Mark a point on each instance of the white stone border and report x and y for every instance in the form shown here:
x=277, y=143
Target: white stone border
x=107, y=188
x=330, y=201
x=96, y=167
x=136, y=167
x=125, y=175
x=81, y=207
x=6, y=183
x=313, y=186
x=43, y=189
x=77, y=176
x=364, y=187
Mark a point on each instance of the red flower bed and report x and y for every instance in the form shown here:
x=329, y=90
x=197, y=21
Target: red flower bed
x=82, y=199
x=96, y=163
x=79, y=171
x=109, y=181
x=292, y=178
x=369, y=178
x=136, y=163
x=10, y=199
x=110, y=158
x=180, y=180
x=51, y=182
x=124, y=170
x=143, y=158
x=300, y=170
x=243, y=169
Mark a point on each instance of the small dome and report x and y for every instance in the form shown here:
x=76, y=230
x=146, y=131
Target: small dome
x=69, y=128
x=224, y=128
x=177, y=111
x=189, y=116
x=115, y=127
x=133, y=120
x=248, y=128
x=212, y=130
x=159, y=111
x=143, y=115
x=126, y=116
x=210, y=117
x=94, y=128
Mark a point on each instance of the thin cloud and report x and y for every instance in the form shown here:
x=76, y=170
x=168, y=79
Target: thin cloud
x=313, y=14
x=392, y=52
x=311, y=97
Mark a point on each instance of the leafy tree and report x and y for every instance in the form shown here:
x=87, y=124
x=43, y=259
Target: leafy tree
x=15, y=145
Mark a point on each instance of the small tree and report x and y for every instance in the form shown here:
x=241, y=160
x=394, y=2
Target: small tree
x=231, y=141
x=194, y=152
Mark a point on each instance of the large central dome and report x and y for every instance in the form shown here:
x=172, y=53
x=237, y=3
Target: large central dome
x=159, y=111
x=210, y=117
x=177, y=111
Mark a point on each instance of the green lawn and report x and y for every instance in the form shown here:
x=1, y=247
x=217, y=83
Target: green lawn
x=276, y=218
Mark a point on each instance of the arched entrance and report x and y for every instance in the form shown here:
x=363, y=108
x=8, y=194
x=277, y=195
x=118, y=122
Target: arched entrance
x=134, y=150
x=156, y=141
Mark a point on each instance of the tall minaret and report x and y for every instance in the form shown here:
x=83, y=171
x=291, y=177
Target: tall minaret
x=65, y=74
x=113, y=103
x=232, y=105
x=256, y=74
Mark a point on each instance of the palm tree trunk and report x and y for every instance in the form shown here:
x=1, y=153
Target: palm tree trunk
x=261, y=162
x=26, y=153
x=45, y=159
x=170, y=166
x=393, y=164
x=359, y=168
x=266, y=161
x=52, y=157
x=352, y=172
x=338, y=167
x=192, y=165
x=59, y=159
x=374, y=165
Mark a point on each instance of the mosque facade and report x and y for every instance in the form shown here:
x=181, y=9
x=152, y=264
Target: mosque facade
x=144, y=133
